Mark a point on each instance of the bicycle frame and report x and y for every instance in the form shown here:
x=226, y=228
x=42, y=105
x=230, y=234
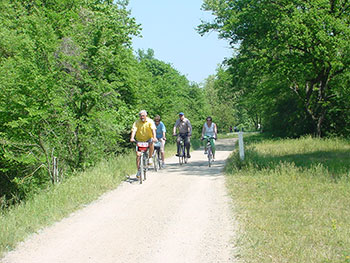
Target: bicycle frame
x=143, y=148
x=156, y=157
x=182, y=153
x=209, y=150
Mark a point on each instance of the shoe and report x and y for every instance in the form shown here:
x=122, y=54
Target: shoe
x=177, y=155
x=138, y=174
x=150, y=161
x=213, y=159
x=163, y=165
x=188, y=156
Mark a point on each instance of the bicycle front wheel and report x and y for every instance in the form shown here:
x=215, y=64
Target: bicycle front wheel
x=141, y=168
x=159, y=158
x=182, y=154
x=155, y=161
x=210, y=156
x=145, y=163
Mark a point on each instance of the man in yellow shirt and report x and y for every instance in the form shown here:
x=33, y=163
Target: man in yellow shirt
x=144, y=130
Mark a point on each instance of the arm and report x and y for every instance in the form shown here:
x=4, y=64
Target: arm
x=133, y=132
x=154, y=135
x=189, y=128
x=215, y=131
x=164, y=131
x=203, y=130
x=175, y=126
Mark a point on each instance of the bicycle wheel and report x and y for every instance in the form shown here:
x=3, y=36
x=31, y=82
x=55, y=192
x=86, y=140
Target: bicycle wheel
x=145, y=163
x=141, y=168
x=159, y=157
x=181, y=153
x=210, y=156
x=184, y=155
x=155, y=161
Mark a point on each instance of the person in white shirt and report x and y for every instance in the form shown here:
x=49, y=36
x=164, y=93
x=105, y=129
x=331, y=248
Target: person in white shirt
x=210, y=132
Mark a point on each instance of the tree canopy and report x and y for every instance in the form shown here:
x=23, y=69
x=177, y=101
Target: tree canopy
x=71, y=87
x=292, y=53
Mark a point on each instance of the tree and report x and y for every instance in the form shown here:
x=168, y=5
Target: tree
x=303, y=44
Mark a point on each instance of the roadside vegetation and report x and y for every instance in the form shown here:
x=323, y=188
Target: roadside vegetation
x=58, y=201
x=71, y=87
x=291, y=199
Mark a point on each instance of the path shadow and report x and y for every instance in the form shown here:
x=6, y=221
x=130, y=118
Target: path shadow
x=197, y=168
x=223, y=145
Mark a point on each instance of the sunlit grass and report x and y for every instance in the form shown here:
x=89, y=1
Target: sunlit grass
x=292, y=200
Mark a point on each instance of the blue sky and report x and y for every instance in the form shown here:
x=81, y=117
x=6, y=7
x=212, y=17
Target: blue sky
x=168, y=27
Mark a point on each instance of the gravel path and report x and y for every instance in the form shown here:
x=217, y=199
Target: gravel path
x=179, y=214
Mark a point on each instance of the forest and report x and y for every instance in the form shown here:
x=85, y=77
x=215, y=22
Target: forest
x=71, y=87
x=290, y=68
x=71, y=84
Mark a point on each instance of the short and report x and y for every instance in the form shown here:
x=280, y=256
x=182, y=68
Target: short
x=162, y=144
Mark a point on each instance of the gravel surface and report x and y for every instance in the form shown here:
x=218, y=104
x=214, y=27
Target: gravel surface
x=179, y=214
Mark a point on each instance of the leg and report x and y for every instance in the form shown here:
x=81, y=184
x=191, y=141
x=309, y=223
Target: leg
x=178, y=139
x=138, y=154
x=162, y=145
x=212, y=143
x=188, y=145
x=151, y=149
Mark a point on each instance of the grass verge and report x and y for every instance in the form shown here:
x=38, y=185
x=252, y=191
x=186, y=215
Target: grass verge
x=292, y=200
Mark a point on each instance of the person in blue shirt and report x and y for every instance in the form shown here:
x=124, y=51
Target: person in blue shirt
x=160, y=134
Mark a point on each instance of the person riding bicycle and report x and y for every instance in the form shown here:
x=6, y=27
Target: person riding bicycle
x=160, y=133
x=185, y=132
x=210, y=131
x=144, y=130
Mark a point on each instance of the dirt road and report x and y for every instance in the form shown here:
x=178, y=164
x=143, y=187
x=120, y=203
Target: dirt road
x=179, y=214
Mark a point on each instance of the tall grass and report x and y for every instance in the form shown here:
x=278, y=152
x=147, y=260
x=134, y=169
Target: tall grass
x=292, y=200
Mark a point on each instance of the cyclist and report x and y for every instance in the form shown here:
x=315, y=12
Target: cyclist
x=185, y=132
x=210, y=130
x=145, y=131
x=160, y=133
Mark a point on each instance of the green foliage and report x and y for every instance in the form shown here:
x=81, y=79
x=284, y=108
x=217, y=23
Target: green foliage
x=71, y=87
x=296, y=49
x=168, y=93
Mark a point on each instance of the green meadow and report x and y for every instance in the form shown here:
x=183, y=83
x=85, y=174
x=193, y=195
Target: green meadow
x=291, y=199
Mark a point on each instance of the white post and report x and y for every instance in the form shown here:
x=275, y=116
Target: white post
x=55, y=170
x=241, y=146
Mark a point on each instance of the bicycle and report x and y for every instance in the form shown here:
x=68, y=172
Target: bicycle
x=182, y=154
x=157, y=156
x=143, y=148
x=209, y=149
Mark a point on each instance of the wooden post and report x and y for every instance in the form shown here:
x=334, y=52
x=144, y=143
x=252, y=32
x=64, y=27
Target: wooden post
x=241, y=146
